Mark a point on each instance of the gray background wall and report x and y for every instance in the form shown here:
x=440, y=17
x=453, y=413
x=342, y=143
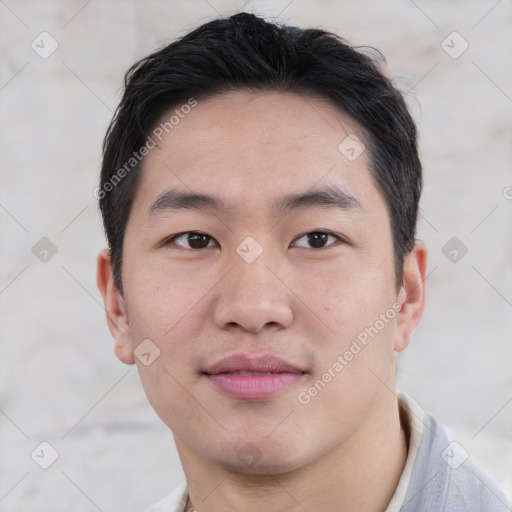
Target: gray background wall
x=59, y=379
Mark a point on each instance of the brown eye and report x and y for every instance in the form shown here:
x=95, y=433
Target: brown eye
x=319, y=239
x=194, y=239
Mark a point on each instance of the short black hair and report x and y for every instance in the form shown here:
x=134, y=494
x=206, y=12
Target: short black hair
x=245, y=52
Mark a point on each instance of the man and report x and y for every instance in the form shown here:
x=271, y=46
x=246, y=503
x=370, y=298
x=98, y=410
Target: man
x=259, y=191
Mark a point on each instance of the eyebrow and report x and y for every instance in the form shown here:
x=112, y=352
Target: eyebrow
x=328, y=197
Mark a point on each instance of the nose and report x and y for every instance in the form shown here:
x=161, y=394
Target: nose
x=253, y=297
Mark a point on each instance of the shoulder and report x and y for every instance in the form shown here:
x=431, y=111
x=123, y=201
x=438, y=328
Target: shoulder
x=471, y=489
x=443, y=477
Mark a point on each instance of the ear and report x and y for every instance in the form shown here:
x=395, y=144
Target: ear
x=412, y=295
x=115, y=309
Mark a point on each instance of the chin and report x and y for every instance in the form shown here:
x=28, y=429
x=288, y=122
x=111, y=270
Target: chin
x=262, y=467
x=260, y=458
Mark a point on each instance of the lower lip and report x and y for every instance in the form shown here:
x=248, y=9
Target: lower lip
x=254, y=386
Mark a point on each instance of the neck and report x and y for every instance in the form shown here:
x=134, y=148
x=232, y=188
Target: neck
x=359, y=474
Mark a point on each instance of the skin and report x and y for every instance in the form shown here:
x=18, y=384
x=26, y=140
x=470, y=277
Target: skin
x=295, y=300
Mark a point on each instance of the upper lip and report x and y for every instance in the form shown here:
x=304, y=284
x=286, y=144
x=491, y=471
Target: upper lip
x=267, y=363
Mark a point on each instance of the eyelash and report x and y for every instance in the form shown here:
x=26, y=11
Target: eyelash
x=179, y=235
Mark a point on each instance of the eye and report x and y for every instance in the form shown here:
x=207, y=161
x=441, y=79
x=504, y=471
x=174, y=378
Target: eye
x=319, y=238
x=195, y=240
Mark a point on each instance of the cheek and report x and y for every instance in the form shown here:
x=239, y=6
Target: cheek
x=356, y=366
x=169, y=392
x=163, y=301
x=356, y=304
x=163, y=312
x=347, y=297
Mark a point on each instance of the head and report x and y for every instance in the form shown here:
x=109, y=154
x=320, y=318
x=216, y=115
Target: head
x=305, y=250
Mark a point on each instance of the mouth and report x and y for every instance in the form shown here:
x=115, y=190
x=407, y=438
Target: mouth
x=244, y=377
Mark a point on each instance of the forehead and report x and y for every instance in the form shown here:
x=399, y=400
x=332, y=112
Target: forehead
x=253, y=147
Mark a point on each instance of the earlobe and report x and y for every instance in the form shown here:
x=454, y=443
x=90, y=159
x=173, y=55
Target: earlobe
x=411, y=295
x=115, y=309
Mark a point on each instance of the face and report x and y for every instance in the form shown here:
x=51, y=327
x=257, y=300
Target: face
x=272, y=331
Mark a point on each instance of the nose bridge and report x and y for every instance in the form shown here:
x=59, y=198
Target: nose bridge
x=252, y=271
x=252, y=296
